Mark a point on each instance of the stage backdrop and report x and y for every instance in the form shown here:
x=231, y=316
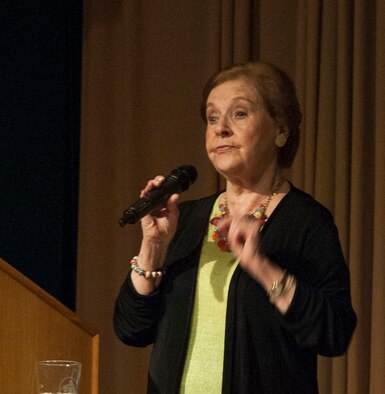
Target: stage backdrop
x=145, y=63
x=40, y=64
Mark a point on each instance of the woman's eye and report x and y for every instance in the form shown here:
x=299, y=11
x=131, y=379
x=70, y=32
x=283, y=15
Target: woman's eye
x=240, y=114
x=212, y=119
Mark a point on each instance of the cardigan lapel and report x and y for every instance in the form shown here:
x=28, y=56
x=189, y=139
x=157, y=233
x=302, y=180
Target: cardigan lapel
x=192, y=227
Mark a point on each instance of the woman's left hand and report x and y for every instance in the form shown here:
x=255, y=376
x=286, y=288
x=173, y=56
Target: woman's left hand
x=243, y=236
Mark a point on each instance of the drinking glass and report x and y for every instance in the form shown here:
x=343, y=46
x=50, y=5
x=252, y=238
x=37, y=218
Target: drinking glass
x=58, y=376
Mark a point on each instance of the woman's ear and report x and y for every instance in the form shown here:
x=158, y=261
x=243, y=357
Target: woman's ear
x=281, y=136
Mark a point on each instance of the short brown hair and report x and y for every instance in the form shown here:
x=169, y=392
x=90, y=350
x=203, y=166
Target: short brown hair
x=278, y=95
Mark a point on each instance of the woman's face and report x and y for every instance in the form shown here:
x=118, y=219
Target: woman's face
x=240, y=133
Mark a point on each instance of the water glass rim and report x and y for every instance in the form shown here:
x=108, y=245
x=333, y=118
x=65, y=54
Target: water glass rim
x=59, y=362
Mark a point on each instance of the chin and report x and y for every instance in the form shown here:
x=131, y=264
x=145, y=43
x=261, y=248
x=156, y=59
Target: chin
x=227, y=169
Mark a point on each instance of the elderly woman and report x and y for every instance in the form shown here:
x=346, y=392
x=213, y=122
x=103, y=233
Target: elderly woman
x=242, y=289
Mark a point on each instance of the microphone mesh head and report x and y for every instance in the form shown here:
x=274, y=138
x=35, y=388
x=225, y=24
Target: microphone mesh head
x=191, y=172
x=186, y=175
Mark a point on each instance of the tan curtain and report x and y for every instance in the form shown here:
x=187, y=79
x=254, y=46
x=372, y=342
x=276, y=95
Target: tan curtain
x=340, y=80
x=144, y=65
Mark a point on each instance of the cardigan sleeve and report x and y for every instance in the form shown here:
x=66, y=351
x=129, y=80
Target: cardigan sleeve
x=321, y=316
x=136, y=316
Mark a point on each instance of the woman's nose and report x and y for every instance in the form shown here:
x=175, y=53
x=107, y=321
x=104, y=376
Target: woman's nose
x=222, y=128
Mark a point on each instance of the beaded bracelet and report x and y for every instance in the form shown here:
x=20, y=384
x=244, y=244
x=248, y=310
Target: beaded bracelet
x=146, y=274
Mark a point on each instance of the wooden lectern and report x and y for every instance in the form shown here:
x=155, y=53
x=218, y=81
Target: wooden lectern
x=35, y=326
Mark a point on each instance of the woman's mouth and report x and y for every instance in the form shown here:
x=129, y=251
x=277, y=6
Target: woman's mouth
x=223, y=148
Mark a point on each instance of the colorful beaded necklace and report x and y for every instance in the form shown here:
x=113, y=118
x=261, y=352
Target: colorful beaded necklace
x=259, y=214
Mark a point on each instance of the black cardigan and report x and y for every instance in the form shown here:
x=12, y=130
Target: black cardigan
x=265, y=351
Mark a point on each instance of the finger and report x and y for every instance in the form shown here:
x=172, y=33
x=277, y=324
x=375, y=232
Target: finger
x=243, y=231
x=172, y=203
x=248, y=219
x=251, y=241
x=235, y=236
x=152, y=184
x=239, y=235
x=224, y=224
x=158, y=180
x=251, y=223
x=169, y=206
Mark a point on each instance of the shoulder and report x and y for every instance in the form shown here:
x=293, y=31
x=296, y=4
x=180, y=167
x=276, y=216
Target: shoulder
x=301, y=215
x=302, y=204
x=299, y=228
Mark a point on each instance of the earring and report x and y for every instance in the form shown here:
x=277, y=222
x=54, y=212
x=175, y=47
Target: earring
x=280, y=140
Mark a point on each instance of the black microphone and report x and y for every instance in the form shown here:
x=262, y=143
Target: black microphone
x=178, y=181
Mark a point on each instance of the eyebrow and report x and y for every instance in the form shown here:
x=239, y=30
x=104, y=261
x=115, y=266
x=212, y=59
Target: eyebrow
x=237, y=98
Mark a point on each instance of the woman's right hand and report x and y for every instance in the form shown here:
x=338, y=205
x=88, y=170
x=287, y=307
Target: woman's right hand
x=160, y=224
x=158, y=229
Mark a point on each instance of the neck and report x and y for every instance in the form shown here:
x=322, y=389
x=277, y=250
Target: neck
x=244, y=199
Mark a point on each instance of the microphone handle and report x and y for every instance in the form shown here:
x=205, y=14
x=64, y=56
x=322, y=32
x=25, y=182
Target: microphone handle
x=151, y=200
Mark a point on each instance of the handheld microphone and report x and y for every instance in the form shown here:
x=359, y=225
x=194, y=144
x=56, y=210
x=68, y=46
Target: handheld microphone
x=178, y=181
